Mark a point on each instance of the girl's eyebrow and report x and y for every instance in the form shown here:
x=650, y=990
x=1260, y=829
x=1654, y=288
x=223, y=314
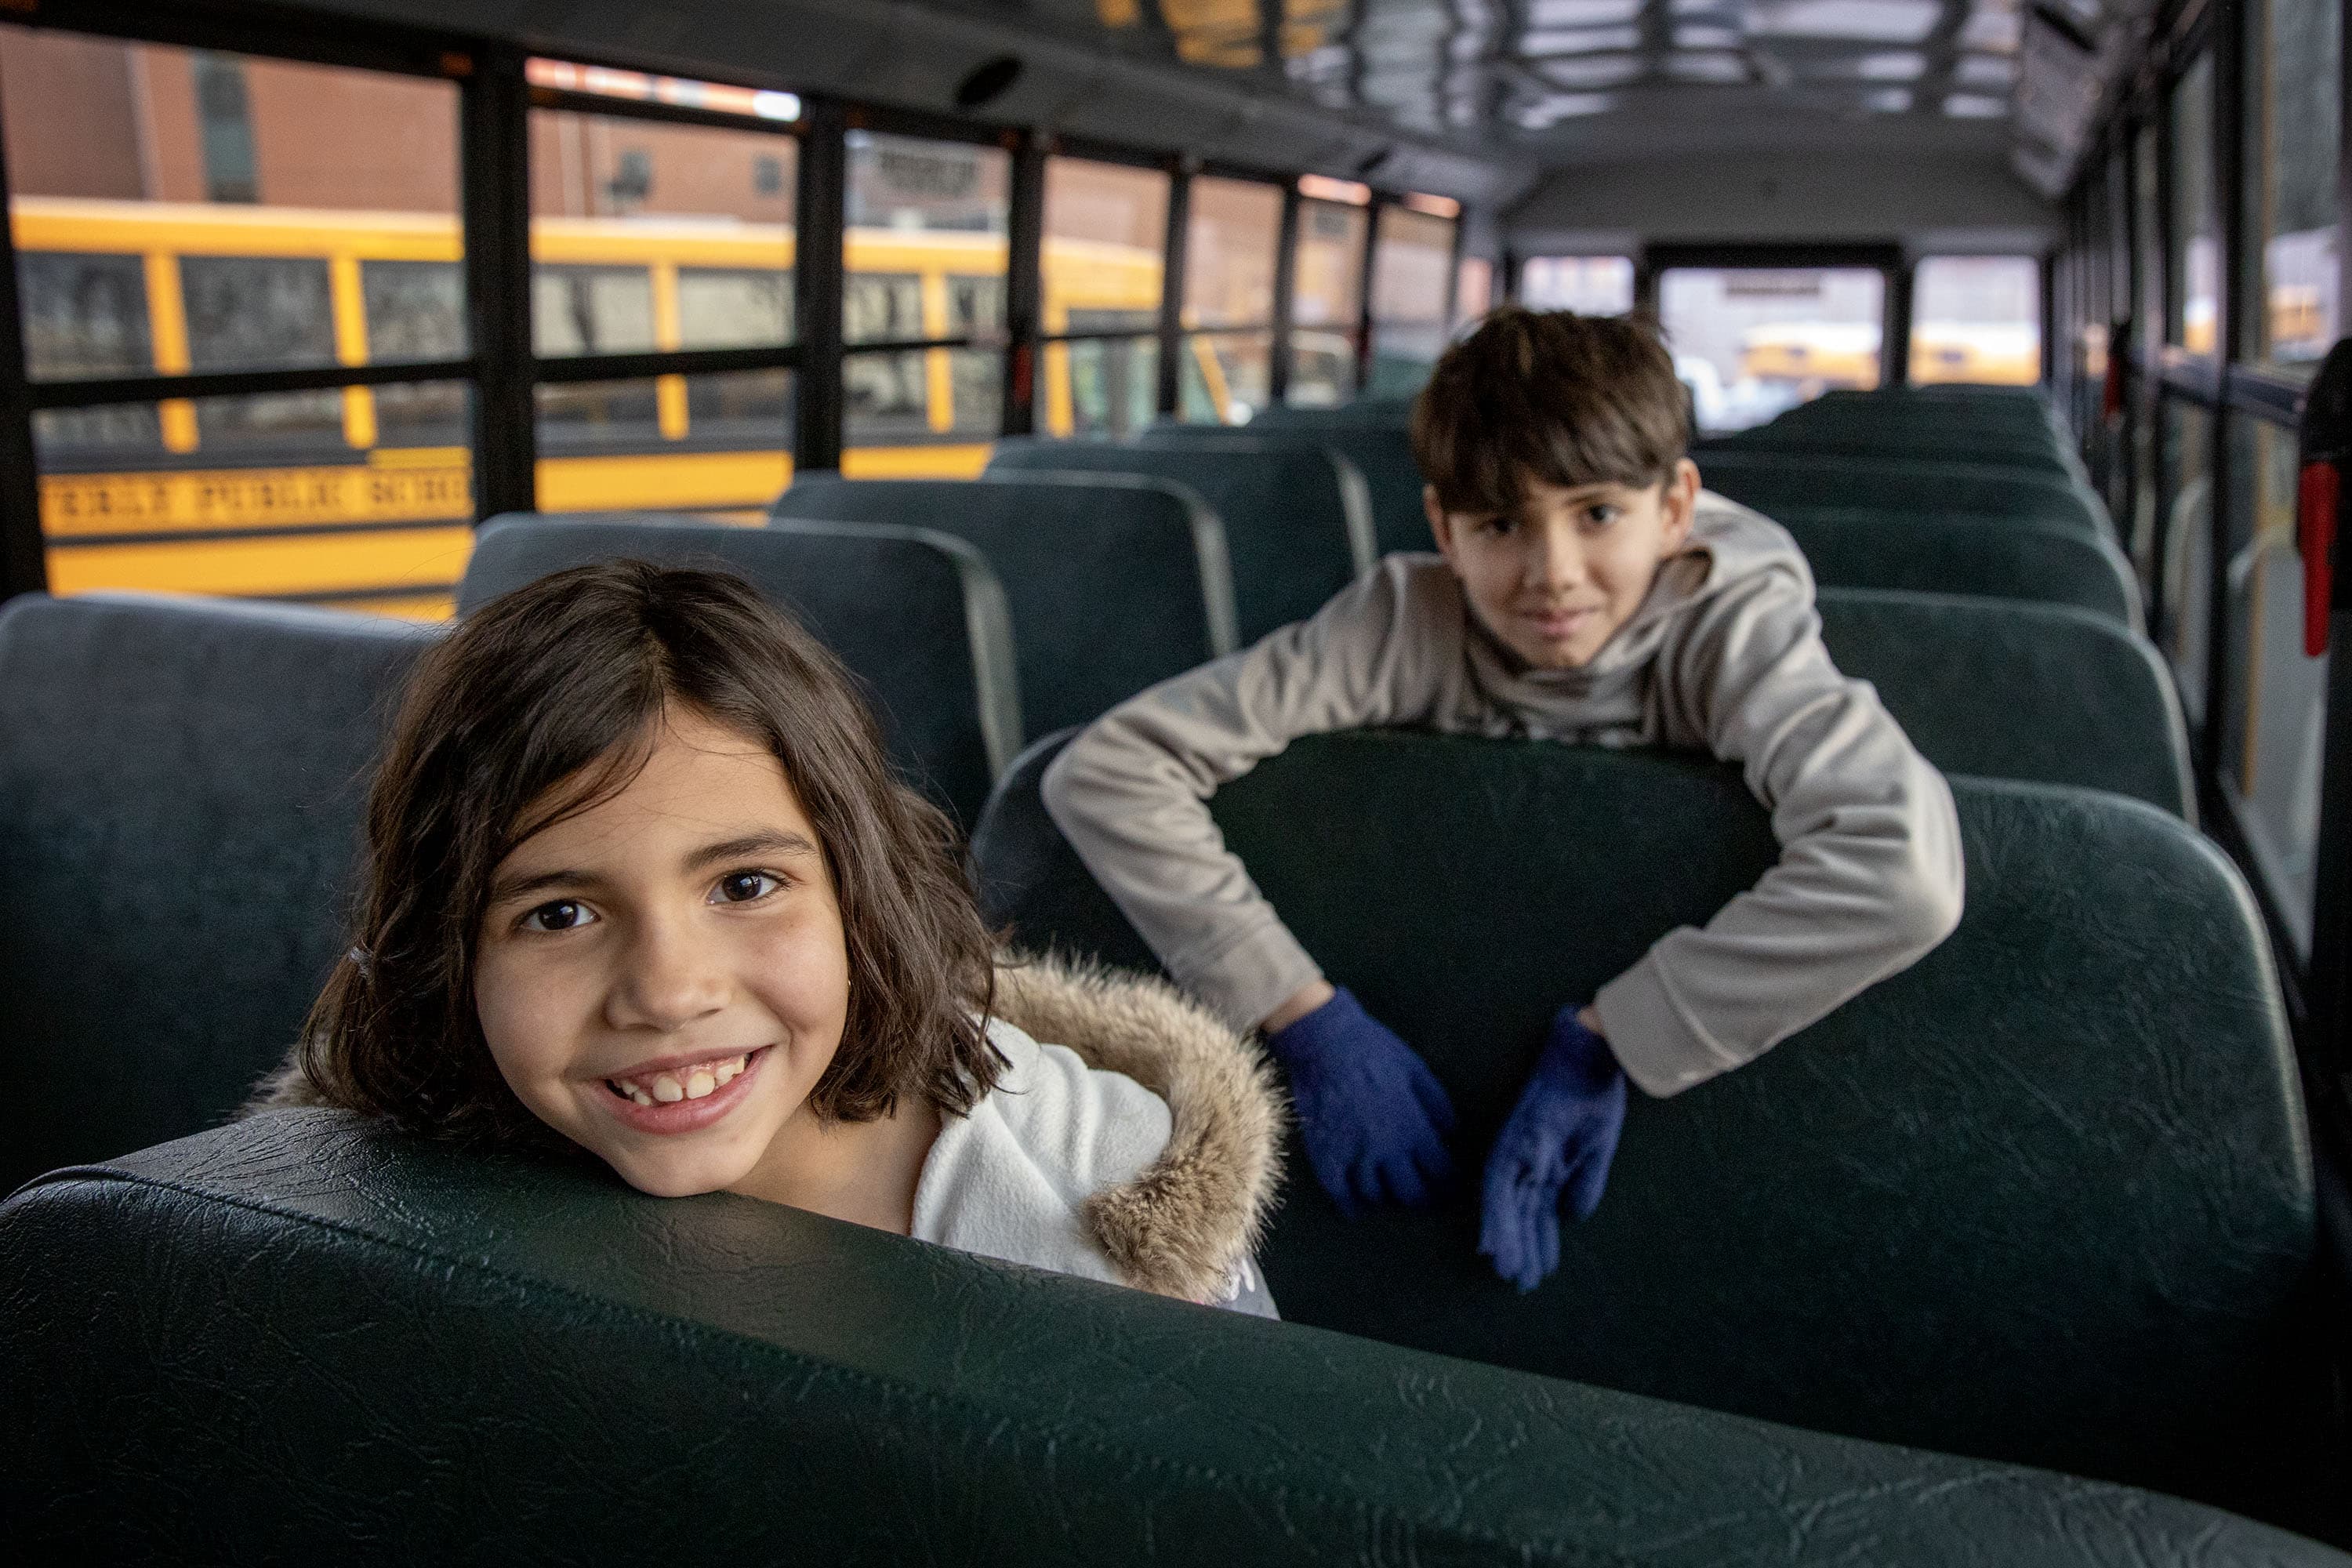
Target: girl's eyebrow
x=772, y=841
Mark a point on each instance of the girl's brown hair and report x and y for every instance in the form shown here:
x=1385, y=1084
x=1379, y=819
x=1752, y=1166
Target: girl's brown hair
x=548, y=701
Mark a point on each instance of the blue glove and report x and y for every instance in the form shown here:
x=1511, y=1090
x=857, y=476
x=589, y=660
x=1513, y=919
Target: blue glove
x=1370, y=1112
x=1562, y=1134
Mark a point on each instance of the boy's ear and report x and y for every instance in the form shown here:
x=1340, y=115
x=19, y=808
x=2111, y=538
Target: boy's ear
x=1680, y=503
x=1438, y=527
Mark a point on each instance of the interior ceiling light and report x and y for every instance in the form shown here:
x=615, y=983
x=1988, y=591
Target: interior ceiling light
x=1707, y=35
x=1580, y=13
x=1985, y=70
x=1706, y=67
x=1975, y=106
x=1323, y=188
x=1578, y=41
x=1436, y=207
x=1876, y=21
x=1887, y=101
x=1891, y=65
x=1593, y=71
x=1992, y=28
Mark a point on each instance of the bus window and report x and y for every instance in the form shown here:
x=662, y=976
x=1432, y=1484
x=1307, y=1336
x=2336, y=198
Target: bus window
x=2194, y=276
x=1412, y=263
x=1113, y=385
x=882, y=308
x=2293, y=131
x=1976, y=318
x=591, y=310
x=2188, y=549
x=726, y=307
x=416, y=310
x=1327, y=300
x=886, y=397
x=975, y=306
x=1231, y=232
x=257, y=312
x=1752, y=342
x=609, y=418
x=84, y=315
x=1588, y=285
x=1106, y=235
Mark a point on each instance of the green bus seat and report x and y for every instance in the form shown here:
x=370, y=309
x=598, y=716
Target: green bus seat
x=1379, y=451
x=2044, y=1197
x=1116, y=582
x=1392, y=411
x=309, y=1339
x=918, y=615
x=1769, y=480
x=1877, y=440
x=181, y=785
x=1997, y=557
x=2019, y=690
x=1298, y=519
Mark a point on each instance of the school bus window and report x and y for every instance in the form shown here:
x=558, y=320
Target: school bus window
x=2293, y=131
x=72, y=440
x=600, y=415
x=739, y=407
x=1112, y=383
x=85, y=315
x=247, y=312
x=416, y=310
x=1328, y=297
x=591, y=310
x=976, y=305
x=1223, y=377
x=726, y=307
x=887, y=395
x=883, y=307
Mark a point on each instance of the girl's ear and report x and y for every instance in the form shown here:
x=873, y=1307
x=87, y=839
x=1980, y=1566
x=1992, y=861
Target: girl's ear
x=1680, y=504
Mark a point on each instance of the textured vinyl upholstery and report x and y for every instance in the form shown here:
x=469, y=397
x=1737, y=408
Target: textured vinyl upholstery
x=2044, y=1196
x=918, y=615
x=1116, y=582
x=1995, y=557
x=1363, y=413
x=309, y=1340
x=1774, y=480
x=1298, y=521
x=1381, y=453
x=2019, y=690
x=181, y=783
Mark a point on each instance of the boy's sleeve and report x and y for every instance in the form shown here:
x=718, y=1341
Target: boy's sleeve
x=1130, y=792
x=1869, y=877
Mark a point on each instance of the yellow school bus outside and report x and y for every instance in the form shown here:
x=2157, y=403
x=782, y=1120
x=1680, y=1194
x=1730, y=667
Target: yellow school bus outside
x=353, y=516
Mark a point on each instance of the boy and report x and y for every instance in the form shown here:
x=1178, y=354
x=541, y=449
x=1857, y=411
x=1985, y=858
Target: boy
x=1585, y=590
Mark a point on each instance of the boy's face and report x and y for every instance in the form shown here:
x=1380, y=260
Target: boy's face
x=663, y=977
x=1556, y=577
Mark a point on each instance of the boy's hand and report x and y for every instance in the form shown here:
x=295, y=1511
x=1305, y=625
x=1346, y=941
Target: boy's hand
x=1370, y=1112
x=1562, y=1134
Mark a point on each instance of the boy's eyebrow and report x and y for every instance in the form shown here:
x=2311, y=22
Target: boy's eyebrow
x=766, y=842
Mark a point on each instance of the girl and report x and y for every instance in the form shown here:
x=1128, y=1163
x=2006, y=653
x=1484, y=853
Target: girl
x=639, y=875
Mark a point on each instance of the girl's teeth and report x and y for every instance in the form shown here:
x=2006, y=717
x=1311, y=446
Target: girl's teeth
x=667, y=1089
x=700, y=1081
x=641, y=1096
x=699, y=1084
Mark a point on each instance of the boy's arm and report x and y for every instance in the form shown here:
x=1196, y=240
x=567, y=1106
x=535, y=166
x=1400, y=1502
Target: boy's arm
x=1130, y=792
x=1869, y=877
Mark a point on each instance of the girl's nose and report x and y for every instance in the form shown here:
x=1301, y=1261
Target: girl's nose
x=667, y=981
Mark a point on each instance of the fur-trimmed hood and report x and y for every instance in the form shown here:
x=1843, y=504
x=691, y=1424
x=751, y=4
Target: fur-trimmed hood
x=1182, y=1220
x=1192, y=1216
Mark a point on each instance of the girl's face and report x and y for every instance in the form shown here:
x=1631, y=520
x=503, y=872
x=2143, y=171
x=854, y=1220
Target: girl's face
x=664, y=978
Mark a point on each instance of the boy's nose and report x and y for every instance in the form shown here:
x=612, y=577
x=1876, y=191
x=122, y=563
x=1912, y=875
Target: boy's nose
x=1555, y=563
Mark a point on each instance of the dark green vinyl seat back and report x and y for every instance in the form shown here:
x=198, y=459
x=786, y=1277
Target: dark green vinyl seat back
x=1363, y=413
x=918, y=615
x=1995, y=557
x=1116, y=582
x=1771, y=481
x=2019, y=690
x=1381, y=453
x=181, y=783
x=1298, y=519
x=312, y=1340
x=2046, y=1196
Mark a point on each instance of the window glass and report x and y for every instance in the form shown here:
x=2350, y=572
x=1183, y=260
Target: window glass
x=178, y=210
x=1750, y=342
x=677, y=443
x=252, y=511
x=1976, y=318
x=1327, y=301
x=2294, y=125
x=1474, y=291
x=2148, y=242
x=2194, y=254
x=1588, y=285
x=2188, y=547
x=1105, y=245
x=921, y=412
x=85, y=315
x=1223, y=377
x=1099, y=387
x=1412, y=262
x=2278, y=698
x=925, y=249
x=1231, y=233
x=649, y=235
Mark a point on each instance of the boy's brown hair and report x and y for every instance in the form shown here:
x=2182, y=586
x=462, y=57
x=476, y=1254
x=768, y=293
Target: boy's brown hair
x=1572, y=400
x=548, y=701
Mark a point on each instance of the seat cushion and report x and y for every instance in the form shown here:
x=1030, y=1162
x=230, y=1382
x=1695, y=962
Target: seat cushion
x=181, y=783
x=2044, y=1196
x=1995, y=557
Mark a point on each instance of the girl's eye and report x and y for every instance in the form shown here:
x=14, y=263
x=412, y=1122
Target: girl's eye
x=564, y=914
x=743, y=887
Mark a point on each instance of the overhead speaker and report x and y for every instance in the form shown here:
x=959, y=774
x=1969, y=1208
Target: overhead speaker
x=988, y=82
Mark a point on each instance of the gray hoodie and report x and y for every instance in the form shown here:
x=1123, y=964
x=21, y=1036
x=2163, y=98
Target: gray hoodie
x=1723, y=655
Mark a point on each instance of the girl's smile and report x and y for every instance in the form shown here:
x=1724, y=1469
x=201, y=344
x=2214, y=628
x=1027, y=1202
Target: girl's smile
x=682, y=1094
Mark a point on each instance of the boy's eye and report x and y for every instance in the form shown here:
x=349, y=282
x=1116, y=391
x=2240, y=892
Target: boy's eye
x=1497, y=525
x=564, y=914
x=1601, y=515
x=743, y=887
